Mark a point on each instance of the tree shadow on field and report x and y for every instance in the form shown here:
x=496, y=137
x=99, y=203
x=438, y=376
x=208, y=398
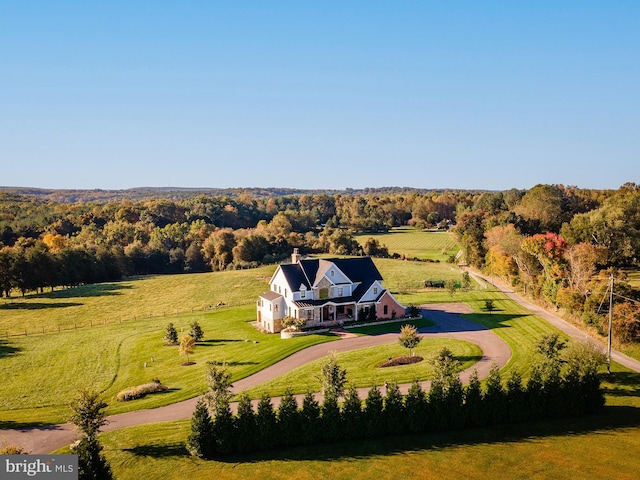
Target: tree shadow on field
x=612, y=419
x=621, y=384
x=212, y=342
x=159, y=451
x=91, y=290
x=6, y=349
x=29, y=305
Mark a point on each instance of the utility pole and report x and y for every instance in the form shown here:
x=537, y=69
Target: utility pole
x=610, y=323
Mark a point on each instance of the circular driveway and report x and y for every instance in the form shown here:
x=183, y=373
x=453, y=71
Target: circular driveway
x=448, y=324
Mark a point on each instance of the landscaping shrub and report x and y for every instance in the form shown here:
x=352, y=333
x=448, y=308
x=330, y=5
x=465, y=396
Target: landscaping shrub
x=133, y=393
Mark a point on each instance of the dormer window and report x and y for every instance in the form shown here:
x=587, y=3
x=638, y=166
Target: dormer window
x=375, y=290
x=303, y=294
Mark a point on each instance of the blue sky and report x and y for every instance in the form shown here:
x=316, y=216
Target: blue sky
x=487, y=95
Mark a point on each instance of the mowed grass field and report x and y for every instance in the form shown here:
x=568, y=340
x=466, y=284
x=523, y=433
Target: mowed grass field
x=43, y=372
x=413, y=243
x=603, y=446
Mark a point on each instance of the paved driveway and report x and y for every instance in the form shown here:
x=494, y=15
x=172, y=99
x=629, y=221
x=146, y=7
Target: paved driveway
x=448, y=323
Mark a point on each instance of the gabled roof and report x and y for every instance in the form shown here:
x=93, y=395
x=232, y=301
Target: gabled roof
x=308, y=272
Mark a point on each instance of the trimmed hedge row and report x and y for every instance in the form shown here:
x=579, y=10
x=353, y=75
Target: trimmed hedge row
x=448, y=405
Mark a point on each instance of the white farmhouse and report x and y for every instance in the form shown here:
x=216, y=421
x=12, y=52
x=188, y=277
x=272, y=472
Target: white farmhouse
x=325, y=292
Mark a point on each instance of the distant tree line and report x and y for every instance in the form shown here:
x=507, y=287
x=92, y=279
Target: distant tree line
x=561, y=245
x=551, y=240
x=558, y=387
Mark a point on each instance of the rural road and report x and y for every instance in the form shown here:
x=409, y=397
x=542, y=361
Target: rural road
x=448, y=323
x=557, y=322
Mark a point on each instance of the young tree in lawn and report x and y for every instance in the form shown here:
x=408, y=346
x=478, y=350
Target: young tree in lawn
x=171, y=335
x=409, y=337
x=332, y=377
x=489, y=306
x=451, y=286
x=87, y=414
x=218, y=380
x=196, y=331
x=187, y=346
x=200, y=442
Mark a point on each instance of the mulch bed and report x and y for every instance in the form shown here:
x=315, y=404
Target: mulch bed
x=405, y=360
x=186, y=364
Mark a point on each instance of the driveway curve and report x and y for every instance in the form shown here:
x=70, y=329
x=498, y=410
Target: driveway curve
x=448, y=324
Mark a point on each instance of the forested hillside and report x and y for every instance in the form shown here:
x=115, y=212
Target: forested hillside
x=552, y=240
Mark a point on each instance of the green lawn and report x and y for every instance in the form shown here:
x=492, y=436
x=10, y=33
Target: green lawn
x=362, y=371
x=152, y=296
x=600, y=447
x=41, y=374
x=413, y=243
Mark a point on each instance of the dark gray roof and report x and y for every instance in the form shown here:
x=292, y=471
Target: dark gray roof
x=358, y=269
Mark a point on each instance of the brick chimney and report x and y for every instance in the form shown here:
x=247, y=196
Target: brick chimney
x=295, y=256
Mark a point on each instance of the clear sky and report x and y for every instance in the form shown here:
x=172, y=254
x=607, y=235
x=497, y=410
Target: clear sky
x=323, y=94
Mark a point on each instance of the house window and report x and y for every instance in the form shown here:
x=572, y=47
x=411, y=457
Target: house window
x=276, y=307
x=386, y=309
x=303, y=294
x=332, y=273
x=375, y=290
x=285, y=293
x=324, y=293
x=339, y=291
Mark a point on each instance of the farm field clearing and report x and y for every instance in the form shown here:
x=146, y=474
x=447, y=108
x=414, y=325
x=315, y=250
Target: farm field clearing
x=412, y=243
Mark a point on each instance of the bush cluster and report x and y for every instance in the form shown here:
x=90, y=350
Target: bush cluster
x=132, y=393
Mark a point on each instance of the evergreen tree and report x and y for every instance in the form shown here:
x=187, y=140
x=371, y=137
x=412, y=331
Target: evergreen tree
x=352, y=414
x=394, y=413
x=196, y=331
x=266, y=423
x=92, y=464
x=171, y=335
x=473, y=405
x=288, y=419
x=372, y=414
x=200, y=442
x=245, y=425
x=331, y=428
x=494, y=400
x=309, y=419
x=516, y=398
x=223, y=429
x=415, y=408
x=88, y=416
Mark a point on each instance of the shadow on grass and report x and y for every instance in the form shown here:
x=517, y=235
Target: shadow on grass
x=493, y=320
x=10, y=424
x=611, y=419
x=159, y=451
x=84, y=291
x=621, y=384
x=213, y=341
x=29, y=305
x=6, y=349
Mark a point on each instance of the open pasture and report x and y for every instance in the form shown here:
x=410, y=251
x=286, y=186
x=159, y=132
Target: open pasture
x=412, y=243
